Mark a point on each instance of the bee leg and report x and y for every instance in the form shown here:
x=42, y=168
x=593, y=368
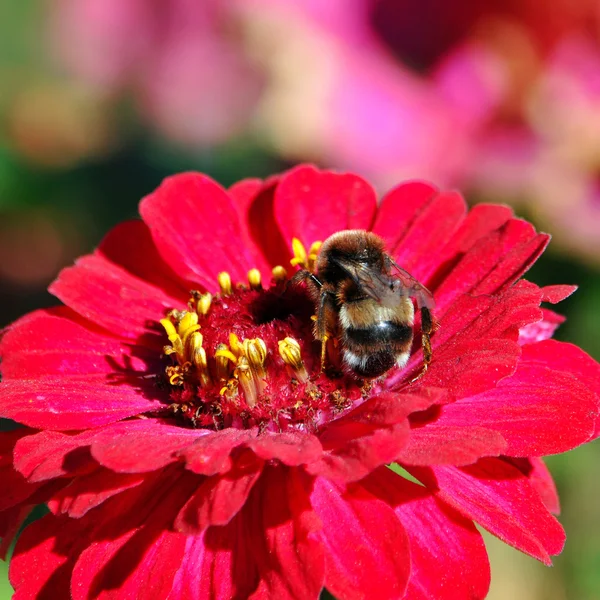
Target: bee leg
x=426, y=331
x=324, y=340
x=427, y=328
x=321, y=327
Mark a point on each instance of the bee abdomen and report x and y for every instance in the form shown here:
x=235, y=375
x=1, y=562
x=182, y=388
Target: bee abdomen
x=382, y=332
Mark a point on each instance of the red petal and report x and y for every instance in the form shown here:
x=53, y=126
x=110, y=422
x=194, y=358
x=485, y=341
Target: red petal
x=142, y=445
x=41, y=566
x=419, y=250
x=210, y=454
x=541, y=330
x=367, y=549
x=282, y=527
x=50, y=454
x=447, y=554
x=399, y=208
x=481, y=221
x=69, y=403
x=291, y=448
x=311, y=204
x=557, y=293
x=476, y=344
x=50, y=342
x=256, y=203
x=440, y=444
x=111, y=297
x=16, y=488
x=130, y=246
x=139, y=565
x=509, y=244
x=132, y=541
x=88, y=491
x=218, y=565
x=219, y=498
x=196, y=228
x=571, y=360
x=527, y=408
x=544, y=485
x=498, y=497
x=513, y=265
x=367, y=437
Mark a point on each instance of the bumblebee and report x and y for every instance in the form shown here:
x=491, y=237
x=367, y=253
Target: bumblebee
x=364, y=300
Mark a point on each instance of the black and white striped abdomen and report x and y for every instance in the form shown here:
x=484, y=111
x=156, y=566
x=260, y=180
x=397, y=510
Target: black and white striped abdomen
x=371, y=351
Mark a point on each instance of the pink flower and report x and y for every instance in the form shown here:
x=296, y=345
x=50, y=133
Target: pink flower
x=499, y=98
x=211, y=457
x=181, y=60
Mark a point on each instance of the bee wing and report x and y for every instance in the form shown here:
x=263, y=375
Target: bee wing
x=412, y=287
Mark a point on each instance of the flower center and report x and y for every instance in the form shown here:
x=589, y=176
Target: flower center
x=247, y=356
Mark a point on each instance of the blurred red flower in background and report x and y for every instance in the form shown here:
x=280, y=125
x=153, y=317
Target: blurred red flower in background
x=224, y=463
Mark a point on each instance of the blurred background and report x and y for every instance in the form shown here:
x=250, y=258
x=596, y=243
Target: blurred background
x=100, y=99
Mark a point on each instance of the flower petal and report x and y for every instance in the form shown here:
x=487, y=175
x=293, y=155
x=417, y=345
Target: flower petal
x=141, y=446
x=210, y=454
x=439, y=536
x=41, y=566
x=89, y=491
x=367, y=549
x=496, y=260
x=431, y=230
x=369, y=436
x=113, y=298
x=440, y=444
x=52, y=342
x=130, y=245
x=481, y=331
x=399, y=208
x=283, y=529
x=138, y=564
x=311, y=204
x=480, y=221
x=139, y=559
x=196, y=228
x=219, y=498
x=256, y=202
x=498, y=497
x=526, y=408
x=290, y=447
x=75, y=403
x=51, y=454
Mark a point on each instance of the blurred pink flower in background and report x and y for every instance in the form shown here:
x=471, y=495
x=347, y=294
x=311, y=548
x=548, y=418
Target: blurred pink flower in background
x=181, y=61
x=499, y=98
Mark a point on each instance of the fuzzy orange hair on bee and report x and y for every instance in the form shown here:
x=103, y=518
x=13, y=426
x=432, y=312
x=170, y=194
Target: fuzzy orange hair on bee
x=364, y=299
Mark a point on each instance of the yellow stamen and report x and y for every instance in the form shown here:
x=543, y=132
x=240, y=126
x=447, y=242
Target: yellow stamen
x=223, y=356
x=203, y=304
x=256, y=353
x=289, y=350
x=300, y=257
x=174, y=339
x=224, y=280
x=227, y=354
x=187, y=326
x=279, y=274
x=243, y=373
x=176, y=379
x=235, y=345
x=254, y=279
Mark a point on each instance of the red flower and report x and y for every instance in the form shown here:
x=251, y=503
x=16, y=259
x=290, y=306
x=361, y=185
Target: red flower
x=224, y=464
